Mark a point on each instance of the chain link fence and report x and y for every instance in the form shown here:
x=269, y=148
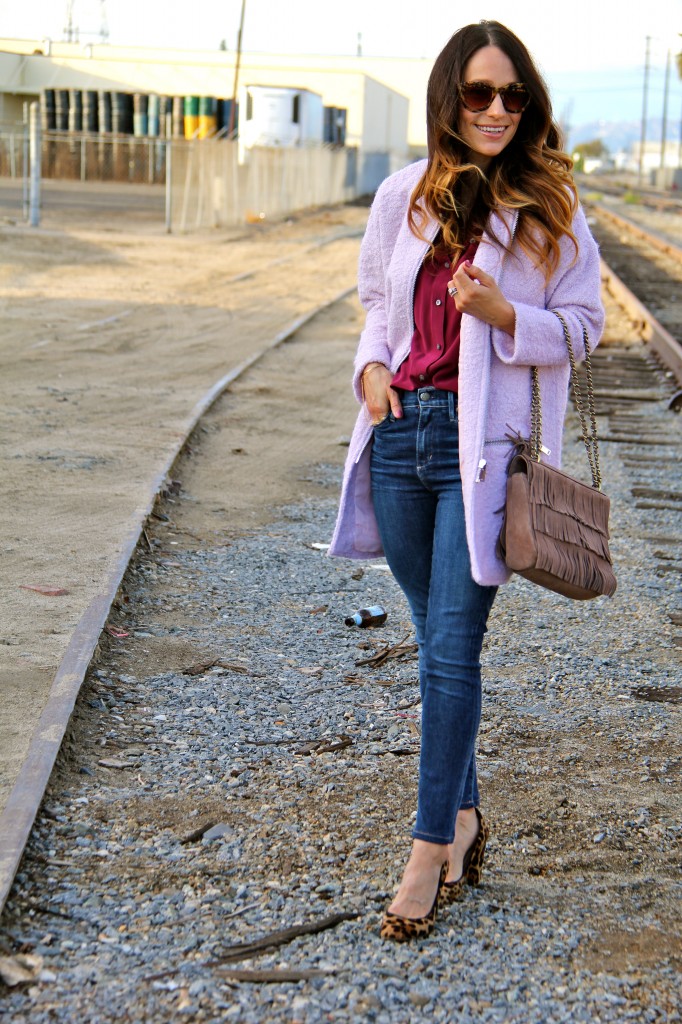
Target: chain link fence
x=87, y=157
x=206, y=184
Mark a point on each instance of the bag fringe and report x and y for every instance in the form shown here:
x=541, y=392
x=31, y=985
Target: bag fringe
x=566, y=529
x=570, y=497
x=573, y=564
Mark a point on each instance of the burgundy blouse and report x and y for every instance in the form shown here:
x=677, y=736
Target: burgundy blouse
x=434, y=353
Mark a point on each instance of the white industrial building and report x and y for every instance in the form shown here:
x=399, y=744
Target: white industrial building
x=384, y=98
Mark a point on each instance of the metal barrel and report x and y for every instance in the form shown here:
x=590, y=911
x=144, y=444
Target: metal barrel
x=154, y=115
x=178, y=116
x=121, y=113
x=191, y=107
x=335, y=126
x=165, y=110
x=208, y=110
x=90, y=111
x=104, y=111
x=224, y=108
x=48, y=112
x=75, y=110
x=140, y=113
x=62, y=110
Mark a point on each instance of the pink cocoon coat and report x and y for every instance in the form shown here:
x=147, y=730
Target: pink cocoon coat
x=494, y=368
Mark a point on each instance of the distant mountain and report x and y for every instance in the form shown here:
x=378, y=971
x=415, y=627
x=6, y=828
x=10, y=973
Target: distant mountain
x=619, y=135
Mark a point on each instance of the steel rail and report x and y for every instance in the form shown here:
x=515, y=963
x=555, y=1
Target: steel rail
x=662, y=342
x=19, y=813
x=625, y=224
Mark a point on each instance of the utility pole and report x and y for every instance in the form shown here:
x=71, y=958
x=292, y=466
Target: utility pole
x=664, y=128
x=644, y=111
x=70, y=32
x=35, y=167
x=233, y=108
x=104, y=26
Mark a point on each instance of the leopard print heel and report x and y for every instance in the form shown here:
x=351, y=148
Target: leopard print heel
x=402, y=929
x=472, y=866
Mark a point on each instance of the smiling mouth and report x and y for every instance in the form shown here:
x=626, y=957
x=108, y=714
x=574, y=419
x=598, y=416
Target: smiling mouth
x=492, y=131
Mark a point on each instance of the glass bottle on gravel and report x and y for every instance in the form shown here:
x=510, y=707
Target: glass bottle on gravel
x=375, y=615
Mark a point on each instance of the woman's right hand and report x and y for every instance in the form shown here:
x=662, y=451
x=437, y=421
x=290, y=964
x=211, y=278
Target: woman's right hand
x=380, y=398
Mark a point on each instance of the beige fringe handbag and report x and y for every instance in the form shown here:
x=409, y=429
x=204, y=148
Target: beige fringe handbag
x=555, y=530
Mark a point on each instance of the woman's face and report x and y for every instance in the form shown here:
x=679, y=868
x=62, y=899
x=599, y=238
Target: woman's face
x=488, y=132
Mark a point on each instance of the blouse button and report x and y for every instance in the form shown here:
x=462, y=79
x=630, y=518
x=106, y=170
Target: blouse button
x=438, y=302
x=446, y=264
x=439, y=347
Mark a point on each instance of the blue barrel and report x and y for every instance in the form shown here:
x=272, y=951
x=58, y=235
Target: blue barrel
x=335, y=125
x=154, y=115
x=224, y=108
x=140, y=113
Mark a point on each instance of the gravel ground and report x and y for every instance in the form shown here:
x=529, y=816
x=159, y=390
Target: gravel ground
x=123, y=911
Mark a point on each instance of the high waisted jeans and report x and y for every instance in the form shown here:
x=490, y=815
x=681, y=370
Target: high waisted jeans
x=417, y=494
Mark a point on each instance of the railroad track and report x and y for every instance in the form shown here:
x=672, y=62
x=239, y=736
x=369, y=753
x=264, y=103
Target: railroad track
x=643, y=271
x=638, y=389
x=647, y=195
x=635, y=389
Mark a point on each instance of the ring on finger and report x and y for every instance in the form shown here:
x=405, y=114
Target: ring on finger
x=452, y=291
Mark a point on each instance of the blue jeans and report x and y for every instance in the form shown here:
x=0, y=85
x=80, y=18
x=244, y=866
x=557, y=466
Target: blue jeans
x=417, y=495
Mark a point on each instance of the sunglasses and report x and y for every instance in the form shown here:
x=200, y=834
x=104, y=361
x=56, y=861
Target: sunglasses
x=478, y=96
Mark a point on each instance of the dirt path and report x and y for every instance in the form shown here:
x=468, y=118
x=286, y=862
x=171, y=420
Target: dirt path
x=111, y=335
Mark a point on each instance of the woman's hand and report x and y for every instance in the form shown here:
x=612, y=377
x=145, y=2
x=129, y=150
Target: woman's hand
x=379, y=396
x=477, y=293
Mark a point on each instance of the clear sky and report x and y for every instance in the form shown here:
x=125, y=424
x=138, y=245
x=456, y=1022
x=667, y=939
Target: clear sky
x=591, y=51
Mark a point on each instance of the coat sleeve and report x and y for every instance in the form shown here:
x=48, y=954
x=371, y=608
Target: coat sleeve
x=373, y=345
x=573, y=290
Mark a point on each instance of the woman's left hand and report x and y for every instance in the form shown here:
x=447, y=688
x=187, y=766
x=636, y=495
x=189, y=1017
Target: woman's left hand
x=478, y=294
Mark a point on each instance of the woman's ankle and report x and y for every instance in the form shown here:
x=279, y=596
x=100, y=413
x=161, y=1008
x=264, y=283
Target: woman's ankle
x=425, y=852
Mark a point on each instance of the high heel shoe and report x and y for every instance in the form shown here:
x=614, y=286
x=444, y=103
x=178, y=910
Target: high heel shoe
x=472, y=865
x=402, y=929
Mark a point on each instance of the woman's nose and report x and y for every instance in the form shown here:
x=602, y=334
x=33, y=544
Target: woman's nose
x=496, y=108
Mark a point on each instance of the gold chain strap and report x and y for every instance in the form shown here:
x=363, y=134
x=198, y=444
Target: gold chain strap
x=535, y=415
x=589, y=438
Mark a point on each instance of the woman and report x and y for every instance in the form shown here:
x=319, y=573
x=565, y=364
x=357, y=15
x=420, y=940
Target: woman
x=465, y=256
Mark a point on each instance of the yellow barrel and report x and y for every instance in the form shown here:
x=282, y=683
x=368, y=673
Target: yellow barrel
x=208, y=116
x=191, y=117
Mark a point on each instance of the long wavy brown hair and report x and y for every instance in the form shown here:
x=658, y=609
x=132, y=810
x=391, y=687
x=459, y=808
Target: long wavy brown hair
x=532, y=174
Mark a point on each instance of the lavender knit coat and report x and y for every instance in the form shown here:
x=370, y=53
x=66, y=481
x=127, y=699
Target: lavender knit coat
x=494, y=374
